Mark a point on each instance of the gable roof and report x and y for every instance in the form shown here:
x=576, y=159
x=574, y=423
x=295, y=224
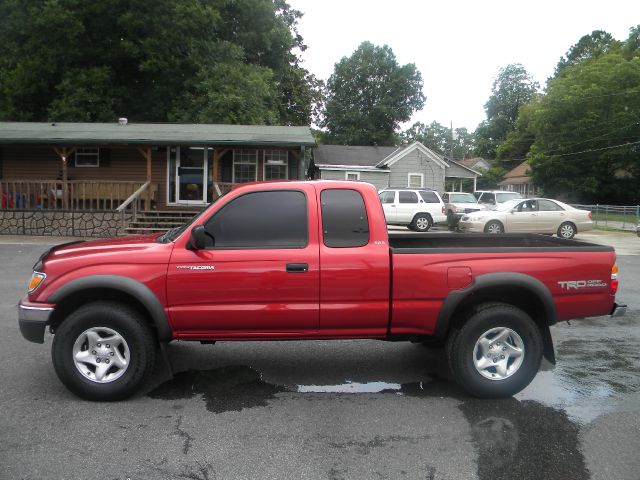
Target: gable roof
x=350, y=156
x=395, y=156
x=519, y=174
x=153, y=134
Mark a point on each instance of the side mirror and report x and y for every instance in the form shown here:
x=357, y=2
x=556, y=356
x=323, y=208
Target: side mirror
x=198, y=238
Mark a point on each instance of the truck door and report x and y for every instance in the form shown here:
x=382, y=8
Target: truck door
x=407, y=206
x=354, y=254
x=259, y=275
x=389, y=205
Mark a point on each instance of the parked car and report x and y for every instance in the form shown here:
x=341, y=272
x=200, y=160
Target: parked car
x=493, y=198
x=456, y=204
x=309, y=261
x=534, y=215
x=417, y=209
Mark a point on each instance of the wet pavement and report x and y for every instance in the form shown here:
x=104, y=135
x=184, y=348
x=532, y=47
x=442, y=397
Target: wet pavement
x=327, y=410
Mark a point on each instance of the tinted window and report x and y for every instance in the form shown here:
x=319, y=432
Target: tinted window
x=344, y=219
x=429, y=197
x=276, y=219
x=387, y=197
x=487, y=198
x=548, y=206
x=408, y=197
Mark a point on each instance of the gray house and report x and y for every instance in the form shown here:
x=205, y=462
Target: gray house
x=404, y=166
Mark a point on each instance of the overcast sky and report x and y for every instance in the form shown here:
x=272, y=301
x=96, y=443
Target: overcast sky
x=458, y=46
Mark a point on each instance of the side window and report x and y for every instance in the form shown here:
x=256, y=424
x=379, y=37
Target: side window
x=387, y=197
x=445, y=197
x=274, y=219
x=488, y=198
x=407, y=197
x=548, y=206
x=344, y=219
x=429, y=197
x=527, y=206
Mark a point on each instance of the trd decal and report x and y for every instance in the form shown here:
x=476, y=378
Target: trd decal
x=578, y=284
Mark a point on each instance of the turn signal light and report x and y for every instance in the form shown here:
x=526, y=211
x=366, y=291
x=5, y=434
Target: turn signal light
x=36, y=280
x=614, y=279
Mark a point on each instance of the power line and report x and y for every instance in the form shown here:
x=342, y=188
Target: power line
x=598, y=149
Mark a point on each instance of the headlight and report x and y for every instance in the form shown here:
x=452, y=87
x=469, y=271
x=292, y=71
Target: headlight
x=36, y=280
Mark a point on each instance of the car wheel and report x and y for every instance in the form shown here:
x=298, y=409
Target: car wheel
x=494, y=227
x=567, y=231
x=421, y=223
x=496, y=352
x=103, y=351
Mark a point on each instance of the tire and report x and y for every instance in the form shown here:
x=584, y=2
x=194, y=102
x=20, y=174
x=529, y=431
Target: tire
x=422, y=222
x=451, y=220
x=475, y=349
x=567, y=230
x=494, y=227
x=119, y=337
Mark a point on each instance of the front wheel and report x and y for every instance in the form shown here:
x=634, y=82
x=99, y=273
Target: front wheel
x=496, y=352
x=567, y=231
x=494, y=227
x=421, y=223
x=103, y=351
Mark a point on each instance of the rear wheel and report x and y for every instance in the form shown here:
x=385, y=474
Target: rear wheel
x=567, y=231
x=103, y=351
x=422, y=222
x=496, y=352
x=494, y=227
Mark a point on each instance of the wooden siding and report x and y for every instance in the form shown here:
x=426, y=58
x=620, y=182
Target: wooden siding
x=380, y=180
x=417, y=162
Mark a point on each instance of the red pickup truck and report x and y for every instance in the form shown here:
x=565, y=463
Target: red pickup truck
x=311, y=260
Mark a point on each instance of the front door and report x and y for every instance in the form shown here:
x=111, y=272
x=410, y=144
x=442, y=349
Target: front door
x=523, y=218
x=188, y=173
x=259, y=275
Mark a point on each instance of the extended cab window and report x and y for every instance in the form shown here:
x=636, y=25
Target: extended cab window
x=275, y=219
x=344, y=219
x=408, y=197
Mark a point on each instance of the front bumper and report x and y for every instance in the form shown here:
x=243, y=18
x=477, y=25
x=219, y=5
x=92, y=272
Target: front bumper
x=473, y=227
x=619, y=309
x=33, y=319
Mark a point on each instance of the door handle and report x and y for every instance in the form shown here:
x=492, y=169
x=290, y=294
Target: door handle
x=297, y=267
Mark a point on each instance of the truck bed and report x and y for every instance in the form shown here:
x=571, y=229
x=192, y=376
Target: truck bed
x=404, y=243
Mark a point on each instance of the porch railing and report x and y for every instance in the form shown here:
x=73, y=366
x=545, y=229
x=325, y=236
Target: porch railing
x=82, y=195
x=132, y=204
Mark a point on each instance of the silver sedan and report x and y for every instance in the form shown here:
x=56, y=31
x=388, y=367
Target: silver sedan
x=532, y=215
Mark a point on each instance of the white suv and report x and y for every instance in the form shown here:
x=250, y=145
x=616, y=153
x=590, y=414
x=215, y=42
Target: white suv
x=415, y=208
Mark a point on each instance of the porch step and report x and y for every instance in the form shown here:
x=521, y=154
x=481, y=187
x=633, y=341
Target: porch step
x=159, y=221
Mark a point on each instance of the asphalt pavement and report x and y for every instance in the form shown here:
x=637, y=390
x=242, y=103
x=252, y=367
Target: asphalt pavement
x=326, y=409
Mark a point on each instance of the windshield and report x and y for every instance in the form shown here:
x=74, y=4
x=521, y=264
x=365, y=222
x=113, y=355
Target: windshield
x=509, y=204
x=462, y=198
x=503, y=197
x=174, y=233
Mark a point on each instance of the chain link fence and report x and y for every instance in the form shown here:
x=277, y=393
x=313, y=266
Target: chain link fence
x=620, y=217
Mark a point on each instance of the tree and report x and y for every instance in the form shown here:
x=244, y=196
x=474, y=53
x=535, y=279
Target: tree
x=437, y=137
x=512, y=88
x=490, y=178
x=154, y=60
x=595, y=45
x=587, y=132
x=368, y=95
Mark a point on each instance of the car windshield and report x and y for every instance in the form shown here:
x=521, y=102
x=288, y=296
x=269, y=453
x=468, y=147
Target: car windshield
x=462, y=198
x=509, y=204
x=503, y=197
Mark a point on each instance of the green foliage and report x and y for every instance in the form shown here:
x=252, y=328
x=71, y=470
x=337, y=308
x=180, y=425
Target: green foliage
x=587, y=131
x=595, y=45
x=437, y=137
x=368, y=95
x=214, y=61
x=490, y=178
x=512, y=88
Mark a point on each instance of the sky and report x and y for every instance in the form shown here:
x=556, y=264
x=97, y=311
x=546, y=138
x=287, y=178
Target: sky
x=458, y=46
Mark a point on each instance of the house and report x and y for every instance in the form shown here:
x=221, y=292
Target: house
x=518, y=180
x=411, y=165
x=477, y=163
x=122, y=168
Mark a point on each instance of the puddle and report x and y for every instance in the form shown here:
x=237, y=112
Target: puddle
x=509, y=435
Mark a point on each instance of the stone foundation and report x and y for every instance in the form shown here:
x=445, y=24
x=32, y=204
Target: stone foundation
x=64, y=224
